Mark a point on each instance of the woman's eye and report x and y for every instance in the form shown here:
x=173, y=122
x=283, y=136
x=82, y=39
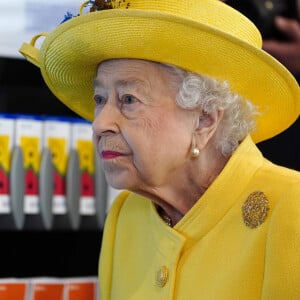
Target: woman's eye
x=99, y=100
x=128, y=99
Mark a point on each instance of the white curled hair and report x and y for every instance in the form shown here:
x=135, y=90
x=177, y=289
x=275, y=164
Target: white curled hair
x=209, y=94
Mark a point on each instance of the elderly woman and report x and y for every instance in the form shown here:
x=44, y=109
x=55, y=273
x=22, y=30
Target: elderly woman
x=181, y=93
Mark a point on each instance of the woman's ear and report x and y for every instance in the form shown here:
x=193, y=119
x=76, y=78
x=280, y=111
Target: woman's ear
x=206, y=127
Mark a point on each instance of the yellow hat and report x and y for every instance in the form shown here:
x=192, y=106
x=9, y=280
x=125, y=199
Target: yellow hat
x=203, y=36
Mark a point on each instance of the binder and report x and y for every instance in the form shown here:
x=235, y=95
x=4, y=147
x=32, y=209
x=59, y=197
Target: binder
x=82, y=144
x=11, y=177
x=66, y=192
x=46, y=289
x=13, y=289
x=28, y=137
x=81, y=289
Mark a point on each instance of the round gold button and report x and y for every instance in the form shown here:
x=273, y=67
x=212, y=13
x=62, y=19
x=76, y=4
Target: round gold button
x=162, y=276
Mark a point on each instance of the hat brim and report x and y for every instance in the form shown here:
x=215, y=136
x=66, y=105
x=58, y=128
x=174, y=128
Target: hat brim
x=70, y=55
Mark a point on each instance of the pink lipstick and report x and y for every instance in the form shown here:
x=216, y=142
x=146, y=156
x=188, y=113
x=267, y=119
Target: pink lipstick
x=110, y=154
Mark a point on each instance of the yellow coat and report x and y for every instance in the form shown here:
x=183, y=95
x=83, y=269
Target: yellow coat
x=211, y=253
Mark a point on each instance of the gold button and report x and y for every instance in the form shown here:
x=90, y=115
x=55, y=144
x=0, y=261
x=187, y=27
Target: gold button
x=162, y=276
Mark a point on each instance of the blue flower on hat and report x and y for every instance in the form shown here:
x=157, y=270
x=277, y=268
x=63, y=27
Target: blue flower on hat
x=68, y=16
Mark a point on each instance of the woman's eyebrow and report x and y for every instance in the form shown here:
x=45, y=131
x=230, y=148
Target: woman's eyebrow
x=96, y=83
x=133, y=83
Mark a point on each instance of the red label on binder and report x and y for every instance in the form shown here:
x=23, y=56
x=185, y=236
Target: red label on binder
x=15, y=291
x=4, y=164
x=4, y=182
x=87, y=184
x=44, y=291
x=31, y=182
x=59, y=183
x=81, y=291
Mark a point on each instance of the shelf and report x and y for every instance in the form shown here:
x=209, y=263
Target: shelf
x=53, y=253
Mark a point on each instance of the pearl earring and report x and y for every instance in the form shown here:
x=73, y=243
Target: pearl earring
x=195, y=152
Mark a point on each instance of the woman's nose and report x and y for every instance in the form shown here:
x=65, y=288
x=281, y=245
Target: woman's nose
x=106, y=119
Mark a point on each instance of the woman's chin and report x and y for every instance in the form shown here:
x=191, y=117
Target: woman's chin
x=119, y=182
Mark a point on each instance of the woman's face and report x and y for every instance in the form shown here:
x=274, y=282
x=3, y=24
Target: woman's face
x=142, y=137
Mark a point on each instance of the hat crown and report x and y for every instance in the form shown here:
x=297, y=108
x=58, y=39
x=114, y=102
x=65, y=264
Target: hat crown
x=231, y=22
x=202, y=36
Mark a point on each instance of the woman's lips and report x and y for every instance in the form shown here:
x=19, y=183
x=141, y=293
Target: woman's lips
x=110, y=154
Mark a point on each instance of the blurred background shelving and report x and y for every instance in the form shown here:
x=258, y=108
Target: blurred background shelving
x=56, y=252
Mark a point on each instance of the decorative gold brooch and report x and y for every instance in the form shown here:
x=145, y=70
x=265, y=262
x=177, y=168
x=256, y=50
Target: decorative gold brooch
x=107, y=4
x=101, y=5
x=97, y=5
x=255, y=209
